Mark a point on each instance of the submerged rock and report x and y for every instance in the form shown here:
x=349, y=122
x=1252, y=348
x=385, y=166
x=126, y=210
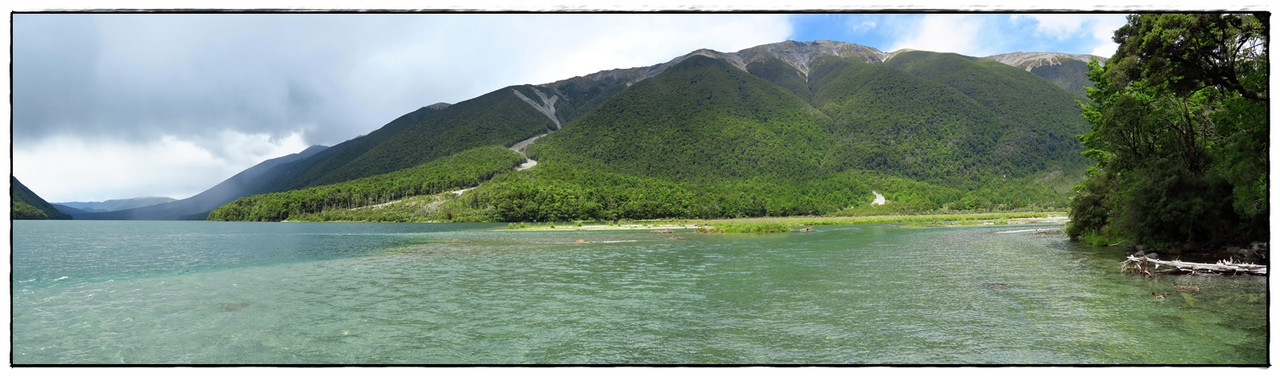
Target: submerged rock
x=235, y=306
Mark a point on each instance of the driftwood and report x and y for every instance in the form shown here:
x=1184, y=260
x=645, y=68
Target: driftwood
x=1138, y=265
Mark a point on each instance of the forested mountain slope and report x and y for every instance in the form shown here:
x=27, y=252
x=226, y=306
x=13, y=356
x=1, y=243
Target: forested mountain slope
x=1067, y=71
x=26, y=205
x=784, y=129
x=497, y=118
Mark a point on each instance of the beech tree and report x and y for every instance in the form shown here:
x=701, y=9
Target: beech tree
x=1179, y=132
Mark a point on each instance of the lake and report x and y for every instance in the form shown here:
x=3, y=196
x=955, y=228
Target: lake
x=141, y=292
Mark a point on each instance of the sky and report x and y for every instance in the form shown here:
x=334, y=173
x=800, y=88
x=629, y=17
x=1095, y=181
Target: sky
x=111, y=106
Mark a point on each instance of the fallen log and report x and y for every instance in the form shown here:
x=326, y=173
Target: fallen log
x=1138, y=264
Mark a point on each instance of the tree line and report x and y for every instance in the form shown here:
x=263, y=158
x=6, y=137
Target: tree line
x=466, y=169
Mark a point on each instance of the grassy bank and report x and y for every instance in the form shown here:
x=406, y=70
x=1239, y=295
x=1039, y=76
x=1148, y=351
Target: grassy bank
x=786, y=224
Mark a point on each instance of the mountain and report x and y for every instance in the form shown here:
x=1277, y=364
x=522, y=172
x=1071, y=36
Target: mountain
x=791, y=128
x=502, y=117
x=700, y=119
x=71, y=211
x=942, y=111
x=260, y=178
x=26, y=205
x=1068, y=71
x=115, y=204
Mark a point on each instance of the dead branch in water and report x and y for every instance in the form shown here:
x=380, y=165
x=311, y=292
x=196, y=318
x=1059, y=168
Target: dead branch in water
x=1138, y=265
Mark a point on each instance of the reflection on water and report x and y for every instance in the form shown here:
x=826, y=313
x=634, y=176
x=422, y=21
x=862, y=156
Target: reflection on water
x=423, y=294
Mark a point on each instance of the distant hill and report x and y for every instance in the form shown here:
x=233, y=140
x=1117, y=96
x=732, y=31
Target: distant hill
x=26, y=205
x=115, y=204
x=258, y=179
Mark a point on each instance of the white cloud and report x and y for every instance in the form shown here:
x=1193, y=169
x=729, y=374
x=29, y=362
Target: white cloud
x=958, y=33
x=985, y=35
x=860, y=24
x=640, y=40
x=1103, y=29
x=1093, y=30
x=1056, y=26
x=64, y=168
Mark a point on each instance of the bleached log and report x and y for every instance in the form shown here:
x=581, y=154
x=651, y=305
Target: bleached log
x=1137, y=264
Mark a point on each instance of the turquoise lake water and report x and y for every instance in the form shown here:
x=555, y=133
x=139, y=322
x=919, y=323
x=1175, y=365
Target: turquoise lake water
x=138, y=292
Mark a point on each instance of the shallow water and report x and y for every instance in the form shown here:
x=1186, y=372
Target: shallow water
x=253, y=293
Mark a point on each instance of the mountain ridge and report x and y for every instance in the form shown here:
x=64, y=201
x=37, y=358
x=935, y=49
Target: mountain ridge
x=257, y=179
x=800, y=54
x=115, y=204
x=1031, y=60
x=895, y=140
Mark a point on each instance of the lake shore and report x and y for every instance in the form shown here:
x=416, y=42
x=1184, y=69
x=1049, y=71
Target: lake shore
x=800, y=223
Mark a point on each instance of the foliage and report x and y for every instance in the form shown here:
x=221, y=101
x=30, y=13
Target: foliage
x=1100, y=238
x=1194, y=51
x=24, y=211
x=496, y=118
x=1169, y=205
x=25, y=204
x=1091, y=207
x=946, y=119
x=1071, y=75
x=699, y=120
x=1179, y=132
x=461, y=170
x=705, y=140
x=748, y=227
x=782, y=74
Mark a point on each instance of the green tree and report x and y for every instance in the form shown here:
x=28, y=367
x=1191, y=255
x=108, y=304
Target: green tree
x=1179, y=132
x=24, y=211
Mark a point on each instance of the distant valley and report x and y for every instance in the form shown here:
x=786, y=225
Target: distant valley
x=111, y=205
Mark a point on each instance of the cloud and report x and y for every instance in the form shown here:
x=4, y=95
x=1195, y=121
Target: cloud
x=1055, y=26
x=990, y=34
x=958, y=33
x=140, y=87
x=857, y=25
x=129, y=76
x=1087, y=33
x=1102, y=31
x=100, y=170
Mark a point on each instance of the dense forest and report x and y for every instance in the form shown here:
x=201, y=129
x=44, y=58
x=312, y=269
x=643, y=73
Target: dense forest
x=496, y=118
x=1179, y=130
x=461, y=170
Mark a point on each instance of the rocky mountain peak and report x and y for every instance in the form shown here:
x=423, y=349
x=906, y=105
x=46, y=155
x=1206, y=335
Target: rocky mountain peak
x=801, y=54
x=1030, y=60
x=797, y=54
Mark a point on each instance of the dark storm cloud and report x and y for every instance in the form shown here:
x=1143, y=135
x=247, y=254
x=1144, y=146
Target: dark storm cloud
x=139, y=76
x=330, y=77
x=53, y=72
